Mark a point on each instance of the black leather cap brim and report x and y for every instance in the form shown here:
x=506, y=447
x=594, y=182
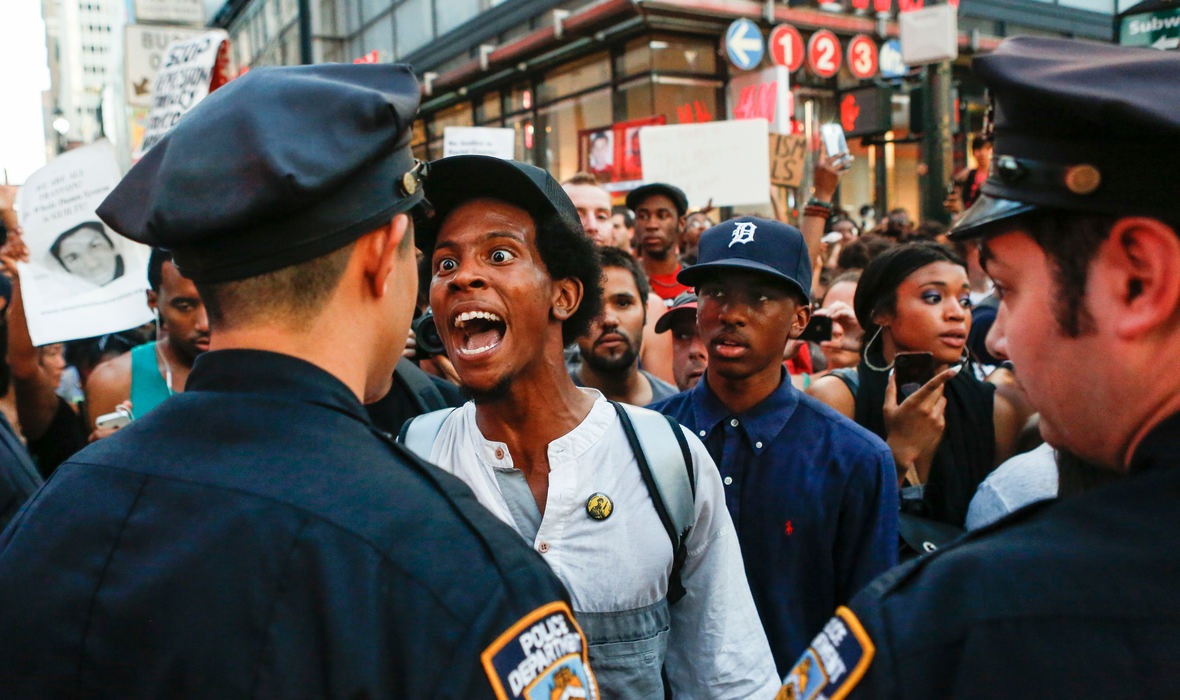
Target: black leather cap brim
x=987, y=210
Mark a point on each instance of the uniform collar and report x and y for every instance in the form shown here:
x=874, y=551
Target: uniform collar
x=275, y=374
x=760, y=424
x=1158, y=448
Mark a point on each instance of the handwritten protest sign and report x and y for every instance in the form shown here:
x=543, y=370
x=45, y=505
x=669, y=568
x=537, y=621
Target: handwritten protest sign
x=788, y=157
x=82, y=279
x=192, y=68
x=726, y=162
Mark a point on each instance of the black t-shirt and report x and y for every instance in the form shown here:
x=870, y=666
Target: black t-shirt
x=65, y=435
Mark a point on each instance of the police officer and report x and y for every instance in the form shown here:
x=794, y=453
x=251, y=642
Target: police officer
x=1074, y=597
x=257, y=535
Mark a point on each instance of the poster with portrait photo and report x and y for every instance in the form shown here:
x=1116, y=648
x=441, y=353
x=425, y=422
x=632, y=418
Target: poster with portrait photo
x=82, y=279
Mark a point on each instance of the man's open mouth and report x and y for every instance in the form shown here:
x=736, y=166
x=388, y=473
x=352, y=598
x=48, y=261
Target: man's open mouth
x=479, y=332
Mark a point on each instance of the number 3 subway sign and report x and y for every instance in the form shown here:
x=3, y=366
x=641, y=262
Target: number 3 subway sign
x=192, y=68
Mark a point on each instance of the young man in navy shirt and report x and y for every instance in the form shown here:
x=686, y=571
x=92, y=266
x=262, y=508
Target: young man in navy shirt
x=813, y=495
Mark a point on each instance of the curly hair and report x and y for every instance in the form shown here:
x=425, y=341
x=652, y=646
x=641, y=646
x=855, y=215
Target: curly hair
x=568, y=252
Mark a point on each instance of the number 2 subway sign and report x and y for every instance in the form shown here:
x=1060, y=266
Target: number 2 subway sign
x=192, y=68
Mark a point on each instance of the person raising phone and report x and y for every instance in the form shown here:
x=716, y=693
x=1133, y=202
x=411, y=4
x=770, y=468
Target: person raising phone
x=952, y=430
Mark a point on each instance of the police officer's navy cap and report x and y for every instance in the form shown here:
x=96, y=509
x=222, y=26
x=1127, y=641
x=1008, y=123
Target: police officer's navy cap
x=636, y=196
x=1079, y=126
x=750, y=243
x=275, y=168
x=459, y=179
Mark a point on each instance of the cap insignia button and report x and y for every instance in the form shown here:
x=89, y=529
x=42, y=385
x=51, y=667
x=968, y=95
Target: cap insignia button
x=409, y=183
x=1082, y=179
x=599, y=506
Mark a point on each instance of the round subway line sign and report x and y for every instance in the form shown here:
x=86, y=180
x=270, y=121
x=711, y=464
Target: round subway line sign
x=862, y=56
x=786, y=47
x=823, y=54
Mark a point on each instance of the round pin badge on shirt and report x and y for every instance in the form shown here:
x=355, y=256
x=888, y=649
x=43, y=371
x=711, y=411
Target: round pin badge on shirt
x=599, y=506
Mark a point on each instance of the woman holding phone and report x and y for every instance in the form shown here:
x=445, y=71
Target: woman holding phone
x=946, y=429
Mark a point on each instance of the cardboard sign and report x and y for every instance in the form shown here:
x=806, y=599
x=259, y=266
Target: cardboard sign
x=479, y=141
x=189, y=72
x=726, y=162
x=82, y=279
x=788, y=158
x=144, y=54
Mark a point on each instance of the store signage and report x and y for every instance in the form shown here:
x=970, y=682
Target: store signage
x=786, y=47
x=886, y=6
x=862, y=56
x=192, y=69
x=788, y=157
x=743, y=44
x=190, y=12
x=1158, y=30
x=371, y=57
x=726, y=162
x=865, y=111
x=143, y=54
x=613, y=154
x=892, y=66
x=823, y=54
x=479, y=141
x=693, y=112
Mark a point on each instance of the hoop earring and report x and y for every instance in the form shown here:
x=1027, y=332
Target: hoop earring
x=868, y=349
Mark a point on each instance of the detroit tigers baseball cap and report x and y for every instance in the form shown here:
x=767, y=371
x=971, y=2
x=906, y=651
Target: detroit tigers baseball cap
x=751, y=243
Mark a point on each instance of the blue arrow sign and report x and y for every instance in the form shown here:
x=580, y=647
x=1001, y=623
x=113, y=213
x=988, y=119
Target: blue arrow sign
x=743, y=44
x=890, y=59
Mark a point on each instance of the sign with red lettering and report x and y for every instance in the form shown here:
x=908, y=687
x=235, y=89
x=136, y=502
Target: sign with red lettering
x=370, y=57
x=862, y=56
x=823, y=54
x=786, y=47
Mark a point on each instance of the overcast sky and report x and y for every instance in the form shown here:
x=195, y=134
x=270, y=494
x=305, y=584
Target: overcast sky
x=22, y=53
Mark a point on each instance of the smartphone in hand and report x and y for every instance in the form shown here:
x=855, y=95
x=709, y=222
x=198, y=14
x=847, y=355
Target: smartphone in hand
x=911, y=370
x=834, y=141
x=818, y=329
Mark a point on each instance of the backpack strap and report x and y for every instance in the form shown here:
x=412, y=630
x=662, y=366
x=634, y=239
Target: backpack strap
x=666, y=467
x=419, y=433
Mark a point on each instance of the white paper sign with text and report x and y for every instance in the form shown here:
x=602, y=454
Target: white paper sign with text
x=82, y=279
x=479, y=141
x=727, y=162
x=183, y=80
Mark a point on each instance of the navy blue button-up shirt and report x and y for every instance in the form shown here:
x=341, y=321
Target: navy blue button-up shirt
x=813, y=497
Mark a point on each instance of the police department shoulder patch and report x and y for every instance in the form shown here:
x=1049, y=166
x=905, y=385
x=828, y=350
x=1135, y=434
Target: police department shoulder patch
x=834, y=663
x=541, y=657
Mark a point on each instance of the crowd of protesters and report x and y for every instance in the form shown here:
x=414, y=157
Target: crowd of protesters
x=823, y=401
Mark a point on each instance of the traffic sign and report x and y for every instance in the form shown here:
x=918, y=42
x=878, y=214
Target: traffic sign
x=823, y=53
x=890, y=60
x=743, y=44
x=786, y=47
x=862, y=56
x=1158, y=30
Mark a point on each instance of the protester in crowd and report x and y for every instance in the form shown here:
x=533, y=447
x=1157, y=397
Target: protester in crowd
x=514, y=281
x=51, y=426
x=87, y=252
x=843, y=348
x=967, y=183
x=948, y=435
x=593, y=203
x=858, y=254
x=622, y=222
x=812, y=494
x=150, y=373
x=1070, y=597
x=257, y=535
x=610, y=349
x=689, y=356
x=695, y=223
x=659, y=219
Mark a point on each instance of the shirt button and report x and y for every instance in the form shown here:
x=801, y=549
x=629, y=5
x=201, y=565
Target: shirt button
x=728, y=480
x=543, y=547
x=702, y=433
x=758, y=444
x=499, y=453
x=733, y=422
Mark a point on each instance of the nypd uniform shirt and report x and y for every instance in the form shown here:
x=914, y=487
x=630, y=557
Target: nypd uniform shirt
x=813, y=497
x=255, y=536
x=716, y=646
x=1070, y=598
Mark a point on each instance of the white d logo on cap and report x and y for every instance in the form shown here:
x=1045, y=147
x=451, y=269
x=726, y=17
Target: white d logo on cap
x=743, y=232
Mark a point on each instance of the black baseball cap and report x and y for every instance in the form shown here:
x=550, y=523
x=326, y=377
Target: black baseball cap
x=1079, y=126
x=636, y=196
x=751, y=243
x=275, y=168
x=458, y=179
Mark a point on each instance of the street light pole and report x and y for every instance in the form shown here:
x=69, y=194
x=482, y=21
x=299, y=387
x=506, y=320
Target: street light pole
x=305, y=32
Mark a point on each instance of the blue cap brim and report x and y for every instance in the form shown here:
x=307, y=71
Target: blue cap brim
x=693, y=276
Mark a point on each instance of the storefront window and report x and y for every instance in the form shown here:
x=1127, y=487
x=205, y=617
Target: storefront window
x=519, y=97
x=487, y=110
x=678, y=101
x=670, y=54
x=525, y=138
x=577, y=76
x=455, y=115
x=558, y=126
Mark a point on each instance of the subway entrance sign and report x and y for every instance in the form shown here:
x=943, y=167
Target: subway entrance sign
x=1156, y=28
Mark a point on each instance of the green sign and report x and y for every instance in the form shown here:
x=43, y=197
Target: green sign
x=1158, y=30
